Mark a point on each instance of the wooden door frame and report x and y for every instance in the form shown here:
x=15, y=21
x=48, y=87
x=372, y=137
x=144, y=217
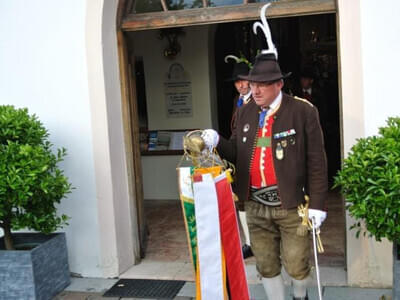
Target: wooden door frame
x=201, y=16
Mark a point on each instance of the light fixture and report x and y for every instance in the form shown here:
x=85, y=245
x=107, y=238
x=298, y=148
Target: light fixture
x=172, y=34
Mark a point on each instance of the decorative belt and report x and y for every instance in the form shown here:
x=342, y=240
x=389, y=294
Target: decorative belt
x=267, y=195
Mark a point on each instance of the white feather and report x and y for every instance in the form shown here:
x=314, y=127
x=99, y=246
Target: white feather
x=235, y=58
x=267, y=32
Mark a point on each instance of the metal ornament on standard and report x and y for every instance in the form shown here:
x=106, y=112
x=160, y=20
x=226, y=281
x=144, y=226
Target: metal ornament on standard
x=196, y=151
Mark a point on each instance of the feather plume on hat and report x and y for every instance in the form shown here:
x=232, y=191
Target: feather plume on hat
x=267, y=32
x=266, y=67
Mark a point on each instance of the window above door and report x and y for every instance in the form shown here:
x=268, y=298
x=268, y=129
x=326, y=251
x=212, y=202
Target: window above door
x=153, y=14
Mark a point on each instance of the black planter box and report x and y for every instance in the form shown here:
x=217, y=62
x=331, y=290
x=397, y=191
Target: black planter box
x=396, y=271
x=39, y=273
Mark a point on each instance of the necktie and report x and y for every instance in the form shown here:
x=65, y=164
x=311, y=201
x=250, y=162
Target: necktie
x=239, y=102
x=261, y=117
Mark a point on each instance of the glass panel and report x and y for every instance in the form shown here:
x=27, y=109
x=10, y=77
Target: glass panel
x=258, y=1
x=236, y=2
x=143, y=6
x=225, y=2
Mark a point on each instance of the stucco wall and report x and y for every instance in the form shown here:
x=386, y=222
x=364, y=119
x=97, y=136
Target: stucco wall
x=380, y=28
x=43, y=68
x=369, y=50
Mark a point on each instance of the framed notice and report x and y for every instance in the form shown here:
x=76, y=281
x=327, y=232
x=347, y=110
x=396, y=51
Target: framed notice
x=178, y=92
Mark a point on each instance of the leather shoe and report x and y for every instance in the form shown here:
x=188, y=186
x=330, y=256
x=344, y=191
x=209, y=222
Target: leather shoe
x=246, y=251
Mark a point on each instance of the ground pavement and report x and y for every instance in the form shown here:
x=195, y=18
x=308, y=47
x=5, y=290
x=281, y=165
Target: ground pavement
x=93, y=289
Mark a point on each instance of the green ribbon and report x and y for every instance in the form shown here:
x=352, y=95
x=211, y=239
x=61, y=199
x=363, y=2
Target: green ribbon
x=264, y=142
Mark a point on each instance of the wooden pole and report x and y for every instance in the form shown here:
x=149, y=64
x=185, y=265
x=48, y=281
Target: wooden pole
x=205, y=4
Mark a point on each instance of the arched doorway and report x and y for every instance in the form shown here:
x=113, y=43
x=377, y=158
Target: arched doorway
x=140, y=28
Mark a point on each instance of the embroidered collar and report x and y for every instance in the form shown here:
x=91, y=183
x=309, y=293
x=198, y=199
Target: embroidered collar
x=246, y=98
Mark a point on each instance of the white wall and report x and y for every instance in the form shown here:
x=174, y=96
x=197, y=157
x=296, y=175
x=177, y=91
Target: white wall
x=194, y=58
x=160, y=178
x=197, y=57
x=43, y=67
x=369, y=48
x=380, y=29
x=115, y=197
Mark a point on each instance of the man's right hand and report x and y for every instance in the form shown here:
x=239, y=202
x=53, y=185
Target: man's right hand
x=210, y=138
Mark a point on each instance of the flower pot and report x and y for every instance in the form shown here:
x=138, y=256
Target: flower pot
x=39, y=273
x=396, y=271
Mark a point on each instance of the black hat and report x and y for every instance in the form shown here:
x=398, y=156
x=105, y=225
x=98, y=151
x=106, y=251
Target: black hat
x=239, y=69
x=266, y=68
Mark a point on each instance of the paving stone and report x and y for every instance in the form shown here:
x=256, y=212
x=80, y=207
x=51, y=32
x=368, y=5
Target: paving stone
x=342, y=293
x=91, y=285
x=82, y=296
x=188, y=290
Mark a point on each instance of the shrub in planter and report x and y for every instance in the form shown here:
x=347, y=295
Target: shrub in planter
x=370, y=182
x=31, y=184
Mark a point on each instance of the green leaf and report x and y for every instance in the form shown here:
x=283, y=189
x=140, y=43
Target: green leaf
x=31, y=182
x=370, y=182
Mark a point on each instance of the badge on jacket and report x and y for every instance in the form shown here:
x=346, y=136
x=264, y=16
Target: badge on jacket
x=279, y=151
x=284, y=133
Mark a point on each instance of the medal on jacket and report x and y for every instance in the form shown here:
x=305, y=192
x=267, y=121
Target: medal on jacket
x=279, y=151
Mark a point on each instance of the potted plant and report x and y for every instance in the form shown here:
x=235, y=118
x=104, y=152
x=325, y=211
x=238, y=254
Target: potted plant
x=370, y=183
x=32, y=265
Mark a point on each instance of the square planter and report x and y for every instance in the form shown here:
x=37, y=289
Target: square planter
x=39, y=273
x=396, y=271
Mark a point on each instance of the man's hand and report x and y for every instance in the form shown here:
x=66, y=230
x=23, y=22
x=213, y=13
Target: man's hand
x=319, y=216
x=210, y=138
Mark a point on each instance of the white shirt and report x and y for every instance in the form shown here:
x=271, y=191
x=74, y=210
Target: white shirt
x=275, y=104
x=246, y=98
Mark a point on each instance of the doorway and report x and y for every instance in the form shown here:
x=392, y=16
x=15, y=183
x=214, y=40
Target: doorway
x=306, y=41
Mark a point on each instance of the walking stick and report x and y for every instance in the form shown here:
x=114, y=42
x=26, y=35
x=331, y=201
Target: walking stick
x=314, y=235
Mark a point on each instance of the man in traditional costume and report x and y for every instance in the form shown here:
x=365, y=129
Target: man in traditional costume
x=241, y=68
x=278, y=149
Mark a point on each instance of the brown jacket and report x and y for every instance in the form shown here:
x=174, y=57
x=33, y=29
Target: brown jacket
x=235, y=108
x=303, y=168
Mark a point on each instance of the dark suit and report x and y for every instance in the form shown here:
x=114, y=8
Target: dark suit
x=304, y=162
x=235, y=109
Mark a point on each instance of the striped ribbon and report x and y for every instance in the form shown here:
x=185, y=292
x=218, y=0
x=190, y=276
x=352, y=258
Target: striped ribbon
x=231, y=240
x=208, y=238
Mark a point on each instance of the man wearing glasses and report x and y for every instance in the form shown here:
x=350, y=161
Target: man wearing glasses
x=278, y=149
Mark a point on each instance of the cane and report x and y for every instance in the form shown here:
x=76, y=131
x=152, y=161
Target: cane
x=316, y=258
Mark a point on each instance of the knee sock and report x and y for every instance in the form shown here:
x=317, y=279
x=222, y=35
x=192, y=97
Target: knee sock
x=245, y=227
x=300, y=287
x=274, y=287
